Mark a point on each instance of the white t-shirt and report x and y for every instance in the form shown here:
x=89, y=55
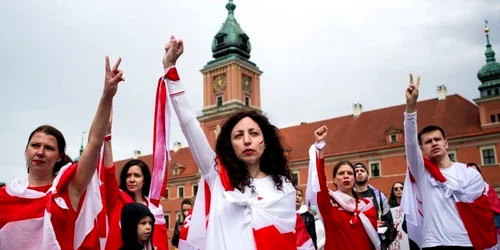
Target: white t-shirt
x=442, y=224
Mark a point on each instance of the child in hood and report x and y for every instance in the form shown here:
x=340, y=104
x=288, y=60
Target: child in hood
x=137, y=227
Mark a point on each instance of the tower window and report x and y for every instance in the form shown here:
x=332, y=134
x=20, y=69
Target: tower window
x=247, y=101
x=488, y=92
x=496, y=91
x=493, y=118
x=243, y=40
x=220, y=40
x=498, y=117
x=219, y=101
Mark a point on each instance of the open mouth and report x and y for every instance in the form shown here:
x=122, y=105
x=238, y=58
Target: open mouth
x=346, y=183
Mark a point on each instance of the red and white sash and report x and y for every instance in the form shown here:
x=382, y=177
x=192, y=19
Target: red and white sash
x=472, y=204
x=161, y=137
x=271, y=220
x=35, y=230
x=347, y=202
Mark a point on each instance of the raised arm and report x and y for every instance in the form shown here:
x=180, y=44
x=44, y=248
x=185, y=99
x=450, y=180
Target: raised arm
x=323, y=195
x=108, y=149
x=203, y=154
x=413, y=154
x=90, y=156
x=110, y=182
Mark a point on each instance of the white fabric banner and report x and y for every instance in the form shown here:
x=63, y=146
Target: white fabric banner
x=401, y=241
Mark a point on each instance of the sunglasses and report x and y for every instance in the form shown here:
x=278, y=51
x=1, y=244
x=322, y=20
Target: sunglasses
x=398, y=188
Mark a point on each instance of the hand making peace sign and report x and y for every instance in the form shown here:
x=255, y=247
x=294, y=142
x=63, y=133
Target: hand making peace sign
x=412, y=95
x=112, y=78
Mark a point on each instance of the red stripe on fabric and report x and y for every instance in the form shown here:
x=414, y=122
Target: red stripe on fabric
x=159, y=147
x=434, y=170
x=177, y=93
x=208, y=196
x=412, y=180
x=226, y=183
x=172, y=74
x=269, y=238
x=478, y=221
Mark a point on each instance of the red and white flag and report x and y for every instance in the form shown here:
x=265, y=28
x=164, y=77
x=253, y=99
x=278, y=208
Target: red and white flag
x=269, y=220
x=161, y=137
x=31, y=225
x=472, y=204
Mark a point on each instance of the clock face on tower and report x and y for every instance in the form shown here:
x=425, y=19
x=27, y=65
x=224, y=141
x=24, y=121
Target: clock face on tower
x=246, y=83
x=219, y=83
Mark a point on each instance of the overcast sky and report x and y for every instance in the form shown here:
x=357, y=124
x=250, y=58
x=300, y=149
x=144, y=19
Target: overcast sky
x=341, y=52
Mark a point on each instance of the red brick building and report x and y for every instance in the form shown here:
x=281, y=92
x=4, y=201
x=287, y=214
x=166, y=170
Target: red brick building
x=376, y=138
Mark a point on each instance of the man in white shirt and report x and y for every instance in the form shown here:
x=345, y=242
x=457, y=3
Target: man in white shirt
x=444, y=213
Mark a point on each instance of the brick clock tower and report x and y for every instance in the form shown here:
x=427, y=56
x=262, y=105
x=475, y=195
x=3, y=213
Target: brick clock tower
x=231, y=82
x=489, y=101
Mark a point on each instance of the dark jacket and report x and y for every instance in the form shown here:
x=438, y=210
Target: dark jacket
x=310, y=223
x=131, y=214
x=175, y=236
x=384, y=210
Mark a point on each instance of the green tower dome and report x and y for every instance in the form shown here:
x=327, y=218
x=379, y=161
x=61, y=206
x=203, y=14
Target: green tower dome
x=489, y=74
x=231, y=39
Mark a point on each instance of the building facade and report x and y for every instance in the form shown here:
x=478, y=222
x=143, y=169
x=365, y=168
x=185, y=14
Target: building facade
x=231, y=82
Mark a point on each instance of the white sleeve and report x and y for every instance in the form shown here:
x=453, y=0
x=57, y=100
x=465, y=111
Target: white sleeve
x=203, y=154
x=414, y=156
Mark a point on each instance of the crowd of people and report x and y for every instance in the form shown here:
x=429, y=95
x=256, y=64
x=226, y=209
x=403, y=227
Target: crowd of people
x=247, y=197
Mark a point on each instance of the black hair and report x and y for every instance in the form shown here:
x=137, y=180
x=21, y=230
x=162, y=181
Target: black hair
x=61, y=144
x=145, y=172
x=429, y=129
x=272, y=162
x=185, y=202
x=393, y=201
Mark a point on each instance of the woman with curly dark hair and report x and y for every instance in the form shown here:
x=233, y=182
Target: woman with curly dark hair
x=396, y=194
x=252, y=200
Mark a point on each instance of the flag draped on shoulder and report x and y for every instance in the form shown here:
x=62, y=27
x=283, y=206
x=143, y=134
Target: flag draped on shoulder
x=472, y=204
x=31, y=222
x=270, y=219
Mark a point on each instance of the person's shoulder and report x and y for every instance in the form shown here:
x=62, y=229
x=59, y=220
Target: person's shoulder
x=375, y=190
